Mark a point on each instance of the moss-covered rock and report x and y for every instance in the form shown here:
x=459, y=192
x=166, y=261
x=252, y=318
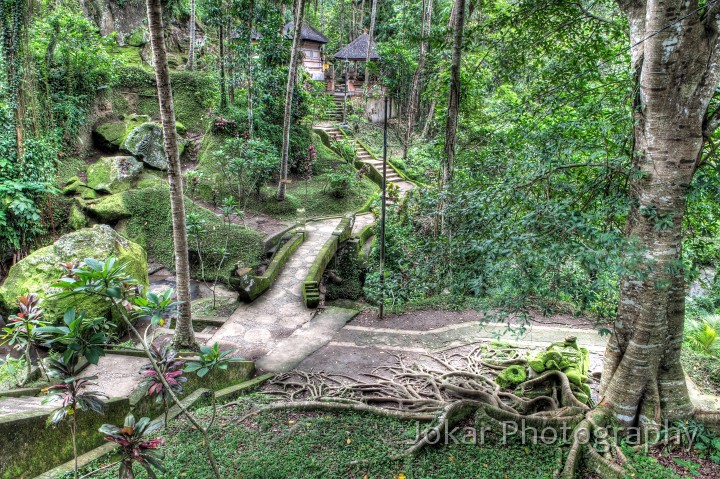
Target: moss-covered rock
x=138, y=38
x=72, y=186
x=77, y=218
x=113, y=174
x=110, y=209
x=511, y=376
x=146, y=143
x=42, y=268
x=110, y=135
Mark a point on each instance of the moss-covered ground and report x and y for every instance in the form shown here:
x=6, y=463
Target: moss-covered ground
x=313, y=195
x=311, y=445
x=319, y=445
x=150, y=225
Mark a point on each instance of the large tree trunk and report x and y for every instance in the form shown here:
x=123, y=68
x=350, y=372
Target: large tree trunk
x=453, y=104
x=184, y=336
x=191, y=50
x=676, y=63
x=292, y=80
x=371, y=37
x=414, y=103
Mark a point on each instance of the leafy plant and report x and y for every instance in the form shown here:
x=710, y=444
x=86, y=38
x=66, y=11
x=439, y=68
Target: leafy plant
x=703, y=336
x=80, y=336
x=165, y=377
x=135, y=445
x=25, y=329
x=209, y=359
x=73, y=394
x=12, y=371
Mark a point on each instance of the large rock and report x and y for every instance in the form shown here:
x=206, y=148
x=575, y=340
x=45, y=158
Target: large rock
x=114, y=174
x=110, y=135
x=146, y=143
x=109, y=209
x=41, y=269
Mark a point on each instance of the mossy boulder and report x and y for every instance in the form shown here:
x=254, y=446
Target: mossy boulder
x=110, y=135
x=138, y=38
x=145, y=142
x=110, y=209
x=77, y=218
x=42, y=268
x=113, y=174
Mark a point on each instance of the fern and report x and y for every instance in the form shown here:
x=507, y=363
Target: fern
x=703, y=335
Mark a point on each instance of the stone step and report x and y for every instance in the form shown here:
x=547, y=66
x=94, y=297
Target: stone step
x=12, y=405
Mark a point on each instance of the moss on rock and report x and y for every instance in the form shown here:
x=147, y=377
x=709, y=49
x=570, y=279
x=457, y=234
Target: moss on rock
x=113, y=174
x=77, y=219
x=41, y=269
x=109, y=209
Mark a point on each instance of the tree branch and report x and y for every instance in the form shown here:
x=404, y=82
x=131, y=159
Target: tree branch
x=589, y=14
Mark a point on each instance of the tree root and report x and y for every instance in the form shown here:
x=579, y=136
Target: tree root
x=338, y=406
x=710, y=419
x=452, y=390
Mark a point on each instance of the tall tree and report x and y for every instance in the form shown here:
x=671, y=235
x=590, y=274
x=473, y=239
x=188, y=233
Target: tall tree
x=414, y=102
x=371, y=36
x=191, y=50
x=676, y=57
x=15, y=21
x=451, y=125
x=291, y=82
x=184, y=336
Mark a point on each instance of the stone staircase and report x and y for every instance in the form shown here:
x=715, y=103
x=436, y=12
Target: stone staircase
x=335, y=112
x=363, y=155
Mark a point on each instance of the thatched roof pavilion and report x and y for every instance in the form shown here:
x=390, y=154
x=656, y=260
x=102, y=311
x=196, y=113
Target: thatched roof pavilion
x=357, y=50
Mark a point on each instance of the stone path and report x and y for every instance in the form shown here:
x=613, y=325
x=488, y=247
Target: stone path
x=277, y=330
x=358, y=349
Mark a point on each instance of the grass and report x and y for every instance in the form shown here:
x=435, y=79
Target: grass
x=318, y=445
x=316, y=199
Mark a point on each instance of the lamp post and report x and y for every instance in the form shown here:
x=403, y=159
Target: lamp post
x=383, y=207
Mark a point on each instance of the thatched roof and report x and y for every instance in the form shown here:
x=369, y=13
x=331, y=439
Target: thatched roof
x=357, y=50
x=307, y=33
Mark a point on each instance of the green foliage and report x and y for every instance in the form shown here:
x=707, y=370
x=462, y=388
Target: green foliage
x=12, y=371
x=170, y=368
x=249, y=164
x=209, y=358
x=704, y=335
x=340, y=183
x=72, y=392
x=24, y=330
x=80, y=336
x=643, y=466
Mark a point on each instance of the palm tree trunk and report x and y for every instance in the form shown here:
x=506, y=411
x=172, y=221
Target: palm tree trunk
x=292, y=80
x=191, y=51
x=184, y=336
x=251, y=66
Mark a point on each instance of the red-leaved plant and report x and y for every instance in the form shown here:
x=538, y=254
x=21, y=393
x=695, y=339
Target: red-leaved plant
x=135, y=445
x=171, y=369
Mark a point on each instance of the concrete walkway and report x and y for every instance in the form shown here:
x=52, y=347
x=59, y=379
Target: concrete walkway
x=277, y=330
